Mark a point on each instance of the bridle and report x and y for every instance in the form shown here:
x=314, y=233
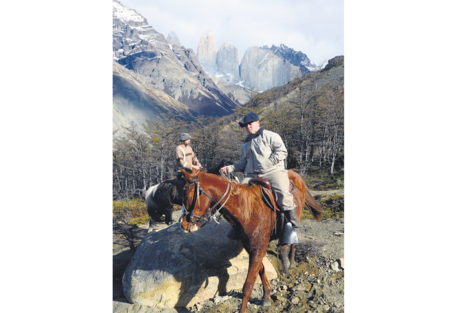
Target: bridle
x=210, y=212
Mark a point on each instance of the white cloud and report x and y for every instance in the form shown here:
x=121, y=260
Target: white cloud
x=314, y=27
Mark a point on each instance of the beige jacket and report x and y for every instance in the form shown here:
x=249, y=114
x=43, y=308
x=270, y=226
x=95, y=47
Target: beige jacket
x=261, y=153
x=185, y=156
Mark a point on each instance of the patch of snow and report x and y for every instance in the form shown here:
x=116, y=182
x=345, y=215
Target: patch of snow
x=126, y=14
x=240, y=83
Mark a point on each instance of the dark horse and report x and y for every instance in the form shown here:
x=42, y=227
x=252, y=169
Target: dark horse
x=160, y=198
x=242, y=206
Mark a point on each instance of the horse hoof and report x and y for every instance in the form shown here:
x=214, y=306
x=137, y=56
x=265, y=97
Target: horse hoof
x=266, y=303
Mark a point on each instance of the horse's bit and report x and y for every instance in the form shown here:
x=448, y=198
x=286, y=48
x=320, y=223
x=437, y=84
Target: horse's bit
x=206, y=217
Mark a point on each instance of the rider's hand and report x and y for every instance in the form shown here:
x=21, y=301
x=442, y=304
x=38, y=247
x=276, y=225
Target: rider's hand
x=224, y=170
x=197, y=167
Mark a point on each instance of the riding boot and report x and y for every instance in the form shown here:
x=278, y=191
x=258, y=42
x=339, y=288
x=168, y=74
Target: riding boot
x=292, y=217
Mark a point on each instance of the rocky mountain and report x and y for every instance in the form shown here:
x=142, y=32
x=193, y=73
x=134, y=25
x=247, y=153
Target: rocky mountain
x=165, y=66
x=261, y=69
x=206, y=53
x=296, y=58
x=336, y=62
x=227, y=63
x=223, y=64
x=173, y=39
x=135, y=100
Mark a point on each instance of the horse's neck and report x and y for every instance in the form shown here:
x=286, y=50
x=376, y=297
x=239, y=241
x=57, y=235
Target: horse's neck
x=230, y=210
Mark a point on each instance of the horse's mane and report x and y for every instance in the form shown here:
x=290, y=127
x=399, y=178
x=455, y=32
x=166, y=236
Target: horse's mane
x=249, y=198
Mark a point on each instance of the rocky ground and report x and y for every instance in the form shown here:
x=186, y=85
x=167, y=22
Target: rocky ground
x=316, y=284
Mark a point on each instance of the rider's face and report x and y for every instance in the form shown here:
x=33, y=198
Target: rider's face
x=187, y=142
x=253, y=127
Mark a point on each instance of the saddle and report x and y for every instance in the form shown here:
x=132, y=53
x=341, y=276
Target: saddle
x=269, y=200
x=268, y=196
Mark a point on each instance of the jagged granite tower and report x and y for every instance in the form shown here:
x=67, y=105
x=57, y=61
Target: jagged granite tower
x=206, y=53
x=261, y=69
x=227, y=63
x=296, y=58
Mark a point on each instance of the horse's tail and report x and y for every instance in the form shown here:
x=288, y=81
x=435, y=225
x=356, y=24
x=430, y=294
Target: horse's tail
x=150, y=190
x=313, y=205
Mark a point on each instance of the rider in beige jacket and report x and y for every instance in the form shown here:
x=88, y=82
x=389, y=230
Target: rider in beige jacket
x=262, y=155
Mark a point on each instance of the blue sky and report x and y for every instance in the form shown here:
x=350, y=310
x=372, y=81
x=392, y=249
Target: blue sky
x=314, y=27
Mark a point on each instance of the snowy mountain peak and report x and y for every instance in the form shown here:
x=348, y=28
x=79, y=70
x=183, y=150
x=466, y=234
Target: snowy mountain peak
x=296, y=58
x=125, y=14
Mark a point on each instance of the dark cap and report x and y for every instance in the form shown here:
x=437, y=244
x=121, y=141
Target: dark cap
x=184, y=137
x=250, y=117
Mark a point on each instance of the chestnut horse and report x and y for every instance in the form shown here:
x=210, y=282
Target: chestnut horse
x=242, y=206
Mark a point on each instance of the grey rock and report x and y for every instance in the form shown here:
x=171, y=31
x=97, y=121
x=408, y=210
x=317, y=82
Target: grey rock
x=335, y=267
x=296, y=58
x=168, y=67
x=139, y=308
x=135, y=100
x=227, y=63
x=173, y=269
x=173, y=39
x=219, y=299
x=206, y=53
x=305, y=286
x=334, y=62
x=261, y=69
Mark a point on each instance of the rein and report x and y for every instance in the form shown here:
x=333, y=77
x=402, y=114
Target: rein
x=209, y=213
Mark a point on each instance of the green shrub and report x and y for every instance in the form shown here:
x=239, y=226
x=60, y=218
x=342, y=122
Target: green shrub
x=332, y=206
x=132, y=212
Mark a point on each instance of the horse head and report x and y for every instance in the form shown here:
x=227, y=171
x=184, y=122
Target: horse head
x=195, y=206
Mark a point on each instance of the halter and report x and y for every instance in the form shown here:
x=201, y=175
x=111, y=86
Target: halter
x=209, y=213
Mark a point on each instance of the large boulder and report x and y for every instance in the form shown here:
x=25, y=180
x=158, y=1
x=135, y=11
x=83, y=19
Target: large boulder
x=174, y=269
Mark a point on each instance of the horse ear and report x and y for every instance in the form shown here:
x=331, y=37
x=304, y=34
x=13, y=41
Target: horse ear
x=186, y=175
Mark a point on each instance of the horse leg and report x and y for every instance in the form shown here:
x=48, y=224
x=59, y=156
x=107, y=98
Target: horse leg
x=253, y=269
x=169, y=217
x=154, y=218
x=266, y=287
x=292, y=256
x=284, y=258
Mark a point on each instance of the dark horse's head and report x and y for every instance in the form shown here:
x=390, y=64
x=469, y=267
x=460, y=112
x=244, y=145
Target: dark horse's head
x=215, y=169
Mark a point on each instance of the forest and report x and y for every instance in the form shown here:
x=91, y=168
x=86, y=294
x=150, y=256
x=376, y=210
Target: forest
x=308, y=113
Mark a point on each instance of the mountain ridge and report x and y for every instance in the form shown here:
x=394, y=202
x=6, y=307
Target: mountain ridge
x=165, y=66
